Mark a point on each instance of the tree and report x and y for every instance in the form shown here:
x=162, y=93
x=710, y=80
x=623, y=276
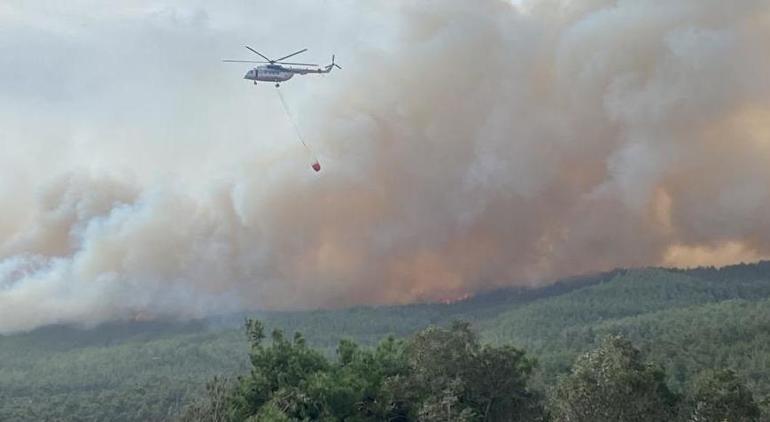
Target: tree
x=611, y=384
x=457, y=378
x=280, y=372
x=214, y=406
x=719, y=395
x=269, y=413
x=291, y=381
x=439, y=375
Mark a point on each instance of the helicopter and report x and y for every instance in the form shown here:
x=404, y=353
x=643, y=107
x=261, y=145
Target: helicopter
x=278, y=70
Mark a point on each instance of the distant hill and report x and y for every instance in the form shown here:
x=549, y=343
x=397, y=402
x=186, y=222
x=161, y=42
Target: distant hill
x=686, y=320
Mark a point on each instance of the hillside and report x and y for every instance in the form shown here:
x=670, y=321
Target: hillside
x=686, y=320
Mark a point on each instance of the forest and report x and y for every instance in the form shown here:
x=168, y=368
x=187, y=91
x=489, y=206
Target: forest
x=695, y=341
x=446, y=374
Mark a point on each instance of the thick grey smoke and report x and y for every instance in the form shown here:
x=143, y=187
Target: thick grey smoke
x=466, y=145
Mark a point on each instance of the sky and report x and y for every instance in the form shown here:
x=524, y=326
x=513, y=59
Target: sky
x=465, y=146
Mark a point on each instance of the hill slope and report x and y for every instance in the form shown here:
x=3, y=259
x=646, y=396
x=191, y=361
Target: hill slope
x=685, y=320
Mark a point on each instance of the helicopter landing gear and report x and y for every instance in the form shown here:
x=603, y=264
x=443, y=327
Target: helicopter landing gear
x=255, y=82
x=277, y=85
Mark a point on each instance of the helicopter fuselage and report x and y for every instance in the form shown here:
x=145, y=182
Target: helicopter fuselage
x=277, y=73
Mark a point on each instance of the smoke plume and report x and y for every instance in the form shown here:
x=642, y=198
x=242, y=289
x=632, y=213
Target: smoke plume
x=466, y=146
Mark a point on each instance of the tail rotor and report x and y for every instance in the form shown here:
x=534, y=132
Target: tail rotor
x=333, y=65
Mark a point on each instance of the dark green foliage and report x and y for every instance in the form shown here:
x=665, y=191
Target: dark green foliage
x=281, y=373
x=214, y=406
x=443, y=374
x=730, y=334
x=457, y=378
x=688, y=321
x=439, y=374
x=290, y=380
x=613, y=383
x=719, y=395
x=685, y=323
x=119, y=372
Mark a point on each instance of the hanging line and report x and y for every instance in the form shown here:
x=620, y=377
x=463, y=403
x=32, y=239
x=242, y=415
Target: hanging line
x=316, y=165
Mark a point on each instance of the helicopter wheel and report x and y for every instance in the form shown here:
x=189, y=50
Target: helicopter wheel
x=277, y=85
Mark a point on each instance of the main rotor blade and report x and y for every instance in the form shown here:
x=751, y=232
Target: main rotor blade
x=259, y=54
x=298, y=64
x=242, y=61
x=292, y=54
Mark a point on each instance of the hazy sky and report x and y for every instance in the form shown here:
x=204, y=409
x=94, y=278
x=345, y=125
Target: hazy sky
x=109, y=86
x=465, y=146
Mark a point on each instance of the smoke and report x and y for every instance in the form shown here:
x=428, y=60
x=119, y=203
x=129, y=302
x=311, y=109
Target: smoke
x=466, y=146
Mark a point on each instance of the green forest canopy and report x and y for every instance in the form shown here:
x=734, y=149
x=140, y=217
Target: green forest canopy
x=687, y=321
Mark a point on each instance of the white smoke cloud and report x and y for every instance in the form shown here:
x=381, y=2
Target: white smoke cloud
x=466, y=145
